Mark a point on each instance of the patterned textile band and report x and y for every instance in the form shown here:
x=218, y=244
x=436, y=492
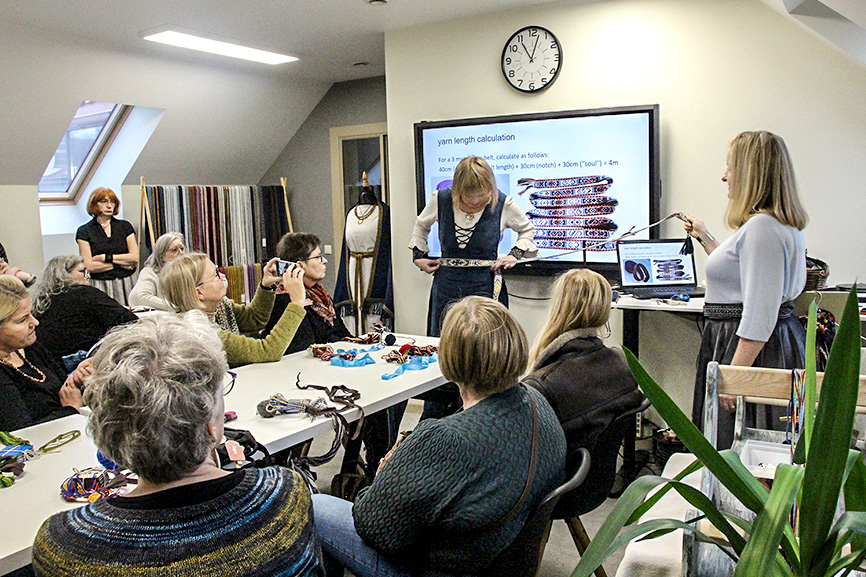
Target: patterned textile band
x=577, y=234
x=602, y=222
x=477, y=262
x=572, y=245
x=735, y=310
x=563, y=182
x=578, y=212
x=579, y=191
x=575, y=202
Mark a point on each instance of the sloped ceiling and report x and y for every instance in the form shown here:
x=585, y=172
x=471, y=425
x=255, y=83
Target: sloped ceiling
x=842, y=23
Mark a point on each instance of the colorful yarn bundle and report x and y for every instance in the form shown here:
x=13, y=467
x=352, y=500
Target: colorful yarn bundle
x=277, y=404
x=401, y=356
x=327, y=352
x=373, y=337
x=91, y=485
x=12, y=457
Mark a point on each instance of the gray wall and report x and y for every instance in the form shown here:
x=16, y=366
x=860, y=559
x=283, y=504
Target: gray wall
x=306, y=160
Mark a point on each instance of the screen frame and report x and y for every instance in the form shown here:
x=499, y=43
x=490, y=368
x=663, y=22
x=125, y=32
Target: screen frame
x=553, y=267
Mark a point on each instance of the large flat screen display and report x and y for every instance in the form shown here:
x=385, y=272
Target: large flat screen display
x=583, y=177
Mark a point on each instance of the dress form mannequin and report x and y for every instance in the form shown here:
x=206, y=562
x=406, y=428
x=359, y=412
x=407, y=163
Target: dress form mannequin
x=362, y=249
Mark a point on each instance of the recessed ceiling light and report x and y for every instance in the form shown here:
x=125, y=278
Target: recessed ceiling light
x=377, y=2
x=217, y=47
x=360, y=63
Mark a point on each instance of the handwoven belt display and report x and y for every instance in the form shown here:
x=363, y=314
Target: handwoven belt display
x=602, y=223
x=576, y=202
x=570, y=212
x=581, y=194
x=735, y=310
x=574, y=245
x=477, y=262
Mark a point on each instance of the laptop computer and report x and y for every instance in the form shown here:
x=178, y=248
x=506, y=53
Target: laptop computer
x=656, y=269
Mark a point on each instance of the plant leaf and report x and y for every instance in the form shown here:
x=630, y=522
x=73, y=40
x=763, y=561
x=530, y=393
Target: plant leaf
x=833, y=423
x=694, y=440
x=768, y=529
x=654, y=498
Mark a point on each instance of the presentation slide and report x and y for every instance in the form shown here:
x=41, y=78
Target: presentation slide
x=655, y=263
x=580, y=180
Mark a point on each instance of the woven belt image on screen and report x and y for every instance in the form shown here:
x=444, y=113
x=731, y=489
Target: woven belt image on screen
x=569, y=213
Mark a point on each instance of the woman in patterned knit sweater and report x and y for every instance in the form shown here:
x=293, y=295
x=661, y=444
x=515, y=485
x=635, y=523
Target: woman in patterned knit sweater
x=440, y=503
x=193, y=282
x=156, y=397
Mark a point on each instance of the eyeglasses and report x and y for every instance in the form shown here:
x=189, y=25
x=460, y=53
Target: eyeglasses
x=176, y=249
x=229, y=382
x=320, y=257
x=218, y=276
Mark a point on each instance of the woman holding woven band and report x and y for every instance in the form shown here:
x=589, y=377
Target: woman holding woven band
x=449, y=498
x=193, y=282
x=34, y=387
x=472, y=214
x=157, y=409
x=108, y=247
x=754, y=275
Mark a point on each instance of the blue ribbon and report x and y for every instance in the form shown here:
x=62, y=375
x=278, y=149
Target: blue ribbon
x=14, y=450
x=358, y=361
x=415, y=363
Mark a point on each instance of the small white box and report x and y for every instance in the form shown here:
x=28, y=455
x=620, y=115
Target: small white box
x=761, y=457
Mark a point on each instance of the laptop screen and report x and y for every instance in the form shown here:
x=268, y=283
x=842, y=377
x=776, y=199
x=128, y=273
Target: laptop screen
x=655, y=264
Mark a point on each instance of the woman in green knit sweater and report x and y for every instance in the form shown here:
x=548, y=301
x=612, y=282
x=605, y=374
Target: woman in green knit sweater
x=192, y=282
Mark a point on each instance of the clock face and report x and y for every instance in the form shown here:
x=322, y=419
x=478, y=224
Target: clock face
x=531, y=59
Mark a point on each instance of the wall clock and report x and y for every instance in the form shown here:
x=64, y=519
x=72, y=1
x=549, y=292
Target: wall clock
x=531, y=59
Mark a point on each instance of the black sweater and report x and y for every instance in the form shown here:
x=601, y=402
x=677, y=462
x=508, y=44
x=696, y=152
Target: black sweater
x=313, y=330
x=24, y=402
x=77, y=318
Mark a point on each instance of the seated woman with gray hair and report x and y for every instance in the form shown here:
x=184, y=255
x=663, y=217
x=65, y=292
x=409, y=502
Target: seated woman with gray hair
x=441, y=502
x=146, y=292
x=157, y=400
x=73, y=315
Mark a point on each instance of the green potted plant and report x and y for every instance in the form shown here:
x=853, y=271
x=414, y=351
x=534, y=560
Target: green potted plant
x=767, y=545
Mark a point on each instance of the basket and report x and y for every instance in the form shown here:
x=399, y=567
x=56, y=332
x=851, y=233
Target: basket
x=817, y=272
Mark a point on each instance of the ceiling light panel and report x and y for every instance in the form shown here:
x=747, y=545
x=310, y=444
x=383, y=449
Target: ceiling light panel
x=183, y=40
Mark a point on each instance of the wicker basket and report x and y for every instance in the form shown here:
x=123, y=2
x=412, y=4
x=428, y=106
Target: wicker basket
x=817, y=272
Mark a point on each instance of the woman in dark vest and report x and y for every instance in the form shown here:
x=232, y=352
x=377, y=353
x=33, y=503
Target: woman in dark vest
x=472, y=214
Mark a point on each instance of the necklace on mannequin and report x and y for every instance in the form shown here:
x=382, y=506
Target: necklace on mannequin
x=29, y=364
x=362, y=217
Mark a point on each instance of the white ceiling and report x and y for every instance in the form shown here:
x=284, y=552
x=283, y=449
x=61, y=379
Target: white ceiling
x=329, y=36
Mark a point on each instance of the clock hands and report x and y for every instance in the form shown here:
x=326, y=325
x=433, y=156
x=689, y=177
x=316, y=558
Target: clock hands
x=532, y=56
x=527, y=51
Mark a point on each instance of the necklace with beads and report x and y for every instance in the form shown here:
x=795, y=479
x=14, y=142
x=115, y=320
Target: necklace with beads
x=362, y=217
x=29, y=364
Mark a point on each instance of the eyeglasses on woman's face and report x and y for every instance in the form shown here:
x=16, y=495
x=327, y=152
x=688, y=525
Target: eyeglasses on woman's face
x=319, y=257
x=217, y=276
x=229, y=382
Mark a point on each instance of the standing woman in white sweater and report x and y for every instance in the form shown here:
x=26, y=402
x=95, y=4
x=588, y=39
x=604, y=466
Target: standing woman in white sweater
x=754, y=275
x=146, y=292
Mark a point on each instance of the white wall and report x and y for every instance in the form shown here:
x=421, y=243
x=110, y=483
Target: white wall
x=224, y=123
x=715, y=68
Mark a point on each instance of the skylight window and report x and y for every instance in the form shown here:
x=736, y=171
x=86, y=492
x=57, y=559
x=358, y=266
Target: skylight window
x=79, y=148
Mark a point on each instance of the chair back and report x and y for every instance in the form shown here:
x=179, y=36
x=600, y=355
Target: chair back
x=602, y=475
x=523, y=556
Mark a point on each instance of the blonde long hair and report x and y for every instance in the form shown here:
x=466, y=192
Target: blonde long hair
x=761, y=175
x=474, y=175
x=581, y=299
x=178, y=280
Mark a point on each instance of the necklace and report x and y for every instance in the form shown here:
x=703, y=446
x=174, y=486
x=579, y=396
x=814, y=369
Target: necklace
x=29, y=364
x=362, y=217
